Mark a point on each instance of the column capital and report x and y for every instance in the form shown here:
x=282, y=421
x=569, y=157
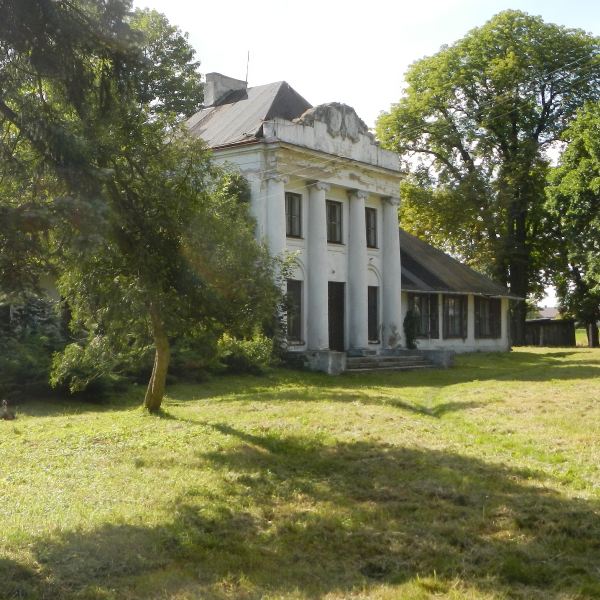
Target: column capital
x=391, y=200
x=358, y=194
x=277, y=177
x=319, y=185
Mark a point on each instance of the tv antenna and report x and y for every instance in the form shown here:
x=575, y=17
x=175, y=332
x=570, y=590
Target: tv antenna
x=247, y=66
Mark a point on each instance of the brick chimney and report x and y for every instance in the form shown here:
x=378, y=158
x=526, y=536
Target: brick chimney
x=217, y=86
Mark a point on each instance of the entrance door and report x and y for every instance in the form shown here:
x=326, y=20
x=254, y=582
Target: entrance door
x=336, y=315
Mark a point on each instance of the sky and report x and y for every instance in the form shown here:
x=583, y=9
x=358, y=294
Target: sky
x=343, y=51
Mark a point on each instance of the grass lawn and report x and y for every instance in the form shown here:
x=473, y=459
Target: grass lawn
x=481, y=481
x=581, y=337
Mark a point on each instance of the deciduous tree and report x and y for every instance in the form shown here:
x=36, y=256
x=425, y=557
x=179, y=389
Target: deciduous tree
x=473, y=128
x=574, y=204
x=151, y=242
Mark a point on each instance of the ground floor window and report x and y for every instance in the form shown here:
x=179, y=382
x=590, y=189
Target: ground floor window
x=487, y=317
x=455, y=316
x=294, y=310
x=425, y=309
x=373, y=314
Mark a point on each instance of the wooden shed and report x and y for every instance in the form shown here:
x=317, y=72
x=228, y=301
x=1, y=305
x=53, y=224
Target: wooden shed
x=550, y=332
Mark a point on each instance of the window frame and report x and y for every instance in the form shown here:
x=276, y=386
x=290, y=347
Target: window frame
x=462, y=318
x=488, y=318
x=339, y=208
x=293, y=200
x=431, y=304
x=371, y=227
x=296, y=340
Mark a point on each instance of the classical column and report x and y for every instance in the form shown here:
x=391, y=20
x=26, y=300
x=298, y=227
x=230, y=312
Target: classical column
x=391, y=300
x=317, y=276
x=257, y=204
x=357, y=271
x=275, y=213
x=470, y=319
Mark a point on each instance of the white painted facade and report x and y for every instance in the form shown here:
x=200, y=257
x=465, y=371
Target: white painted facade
x=274, y=167
x=328, y=154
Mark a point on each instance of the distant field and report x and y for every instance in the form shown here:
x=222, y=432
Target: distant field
x=481, y=481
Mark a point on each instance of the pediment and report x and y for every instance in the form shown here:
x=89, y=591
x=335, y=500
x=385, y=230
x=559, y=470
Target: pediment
x=341, y=120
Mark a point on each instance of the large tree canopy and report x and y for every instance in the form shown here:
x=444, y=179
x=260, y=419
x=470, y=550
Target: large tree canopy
x=92, y=95
x=574, y=205
x=473, y=128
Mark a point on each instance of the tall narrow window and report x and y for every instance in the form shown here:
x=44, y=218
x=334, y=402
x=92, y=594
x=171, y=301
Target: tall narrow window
x=455, y=316
x=334, y=222
x=294, y=310
x=371, y=224
x=373, y=312
x=293, y=214
x=487, y=317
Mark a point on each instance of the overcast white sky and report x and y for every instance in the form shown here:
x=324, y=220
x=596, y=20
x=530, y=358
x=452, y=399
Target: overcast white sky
x=345, y=51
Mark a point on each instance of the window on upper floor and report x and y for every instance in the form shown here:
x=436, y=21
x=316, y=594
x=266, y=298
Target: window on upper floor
x=425, y=309
x=334, y=222
x=371, y=224
x=487, y=317
x=455, y=316
x=294, y=310
x=293, y=214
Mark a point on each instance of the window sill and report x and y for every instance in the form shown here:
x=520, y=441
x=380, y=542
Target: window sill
x=294, y=237
x=372, y=247
x=373, y=342
x=295, y=343
x=336, y=243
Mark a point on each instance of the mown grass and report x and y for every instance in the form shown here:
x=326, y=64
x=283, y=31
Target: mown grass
x=581, y=337
x=482, y=481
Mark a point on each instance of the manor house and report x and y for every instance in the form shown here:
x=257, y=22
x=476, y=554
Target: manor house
x=323, y=189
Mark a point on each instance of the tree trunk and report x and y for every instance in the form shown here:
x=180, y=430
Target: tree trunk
x=162, y=355
x=519, y=280
x=592, y=335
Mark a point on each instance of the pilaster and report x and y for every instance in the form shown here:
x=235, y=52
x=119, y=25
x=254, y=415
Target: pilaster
x=275, y=213
x=393, y=331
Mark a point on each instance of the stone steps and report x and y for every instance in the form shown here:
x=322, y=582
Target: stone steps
x=406, y=362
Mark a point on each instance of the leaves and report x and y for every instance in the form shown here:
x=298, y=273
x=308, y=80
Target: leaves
x=473, y=128
x=574, y=204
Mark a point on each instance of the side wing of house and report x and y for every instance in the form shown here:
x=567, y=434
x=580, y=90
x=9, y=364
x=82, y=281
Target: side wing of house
x=455, y=307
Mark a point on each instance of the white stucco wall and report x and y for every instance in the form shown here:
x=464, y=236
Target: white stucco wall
x=290, y=159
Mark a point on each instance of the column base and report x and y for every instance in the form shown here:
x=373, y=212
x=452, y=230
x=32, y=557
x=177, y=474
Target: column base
x=326, y=361
x=361, y=352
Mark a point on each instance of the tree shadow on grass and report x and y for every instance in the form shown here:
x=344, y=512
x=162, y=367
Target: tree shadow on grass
x=292, y=515
x=59, y=405
x=516, y=366
x=288, y=385
x=379, y=388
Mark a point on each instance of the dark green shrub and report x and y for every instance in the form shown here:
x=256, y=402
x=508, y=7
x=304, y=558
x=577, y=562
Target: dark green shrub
x=253, y=355
x=29, y=334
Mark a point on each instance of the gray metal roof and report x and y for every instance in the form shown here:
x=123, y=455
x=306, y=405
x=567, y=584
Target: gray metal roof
x=239, y=116
x=427, y=269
